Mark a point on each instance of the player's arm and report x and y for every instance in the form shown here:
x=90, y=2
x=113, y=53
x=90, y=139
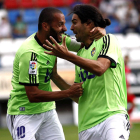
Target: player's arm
x=60, y=82
x=95, y=34
x=108, y=56
x=97, y=67
x=29, y=77
x=34, y=94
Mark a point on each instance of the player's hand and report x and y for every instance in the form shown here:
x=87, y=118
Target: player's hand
x=75, y=90
x=56, y=49
x=97, y=32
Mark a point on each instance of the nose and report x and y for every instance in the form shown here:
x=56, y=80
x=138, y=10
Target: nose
x=64, y=28
x=71, y=27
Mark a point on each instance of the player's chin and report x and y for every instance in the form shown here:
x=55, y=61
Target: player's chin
x=59, y=38
x=77, y=39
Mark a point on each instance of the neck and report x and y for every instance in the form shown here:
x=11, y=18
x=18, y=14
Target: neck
x=88, y=42
x=42, y=37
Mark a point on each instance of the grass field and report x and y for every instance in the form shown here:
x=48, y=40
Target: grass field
x=71, y=133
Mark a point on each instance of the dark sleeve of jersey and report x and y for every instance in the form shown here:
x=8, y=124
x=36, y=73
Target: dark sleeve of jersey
x=109, y=50
x=113, y=63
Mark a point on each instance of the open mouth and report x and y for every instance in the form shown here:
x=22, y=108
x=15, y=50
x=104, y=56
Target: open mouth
x=60, y=35
x=75, y=33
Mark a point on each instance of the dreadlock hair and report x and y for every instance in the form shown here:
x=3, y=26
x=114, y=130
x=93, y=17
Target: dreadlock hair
x=88, y=12
x=47, y=15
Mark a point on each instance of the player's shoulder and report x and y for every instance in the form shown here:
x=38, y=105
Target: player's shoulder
x=111, y=35
x=30, y=41
x=107, y=38
x=28, y=45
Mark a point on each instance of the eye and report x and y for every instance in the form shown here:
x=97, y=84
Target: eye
x=61, y=24
x=74, y=23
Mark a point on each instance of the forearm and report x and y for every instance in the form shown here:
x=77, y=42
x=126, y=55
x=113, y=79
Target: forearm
x=34, y=94
x=59, y=82
x=92, y=66
x=47, y=96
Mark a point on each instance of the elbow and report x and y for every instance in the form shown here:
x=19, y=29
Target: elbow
x=32, y=98
x=100, y=72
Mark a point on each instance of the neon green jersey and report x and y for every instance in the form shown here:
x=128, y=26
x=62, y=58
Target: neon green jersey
x=103, y=95
x=32, y=67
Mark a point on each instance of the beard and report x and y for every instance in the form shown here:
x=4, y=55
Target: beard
x=54, y=34
x=78, y=39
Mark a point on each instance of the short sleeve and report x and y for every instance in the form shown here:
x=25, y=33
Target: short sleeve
x=110, y=49
x=72, y=44
x=28, y=69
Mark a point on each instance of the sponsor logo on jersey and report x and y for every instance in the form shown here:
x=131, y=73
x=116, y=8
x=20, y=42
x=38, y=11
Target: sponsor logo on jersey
x=93, y=51
x=22, y=108
x=33, y=67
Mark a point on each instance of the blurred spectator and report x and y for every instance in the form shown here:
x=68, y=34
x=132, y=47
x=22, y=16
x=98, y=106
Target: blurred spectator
x=128, y=17
x=107, y=9
x=3, y=13
x=130, y=96
x=117, y=3
x=95, y=3
x=5, y=28
x=19, y=28
x=76, y=2
x=1, y=4
x=137, y=4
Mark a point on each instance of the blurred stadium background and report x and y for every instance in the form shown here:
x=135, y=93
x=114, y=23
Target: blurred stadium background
x=67, y=110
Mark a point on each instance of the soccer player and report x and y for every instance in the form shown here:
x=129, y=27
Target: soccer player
x=102, y=108
x=31, y=111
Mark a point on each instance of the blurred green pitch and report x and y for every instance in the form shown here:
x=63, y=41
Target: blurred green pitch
x=71, y=133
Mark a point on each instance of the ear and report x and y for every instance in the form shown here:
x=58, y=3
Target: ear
x=45, y=26
x=90, y=24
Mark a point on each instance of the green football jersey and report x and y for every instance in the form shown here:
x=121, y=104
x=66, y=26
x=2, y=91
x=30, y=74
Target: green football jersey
x=103, y=95
x=31, y=67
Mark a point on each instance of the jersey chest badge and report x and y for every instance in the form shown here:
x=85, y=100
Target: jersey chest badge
x=93, y=51
x=33, y=67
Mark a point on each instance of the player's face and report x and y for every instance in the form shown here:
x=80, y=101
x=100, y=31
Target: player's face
x=58, y=27
x=78, y=29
